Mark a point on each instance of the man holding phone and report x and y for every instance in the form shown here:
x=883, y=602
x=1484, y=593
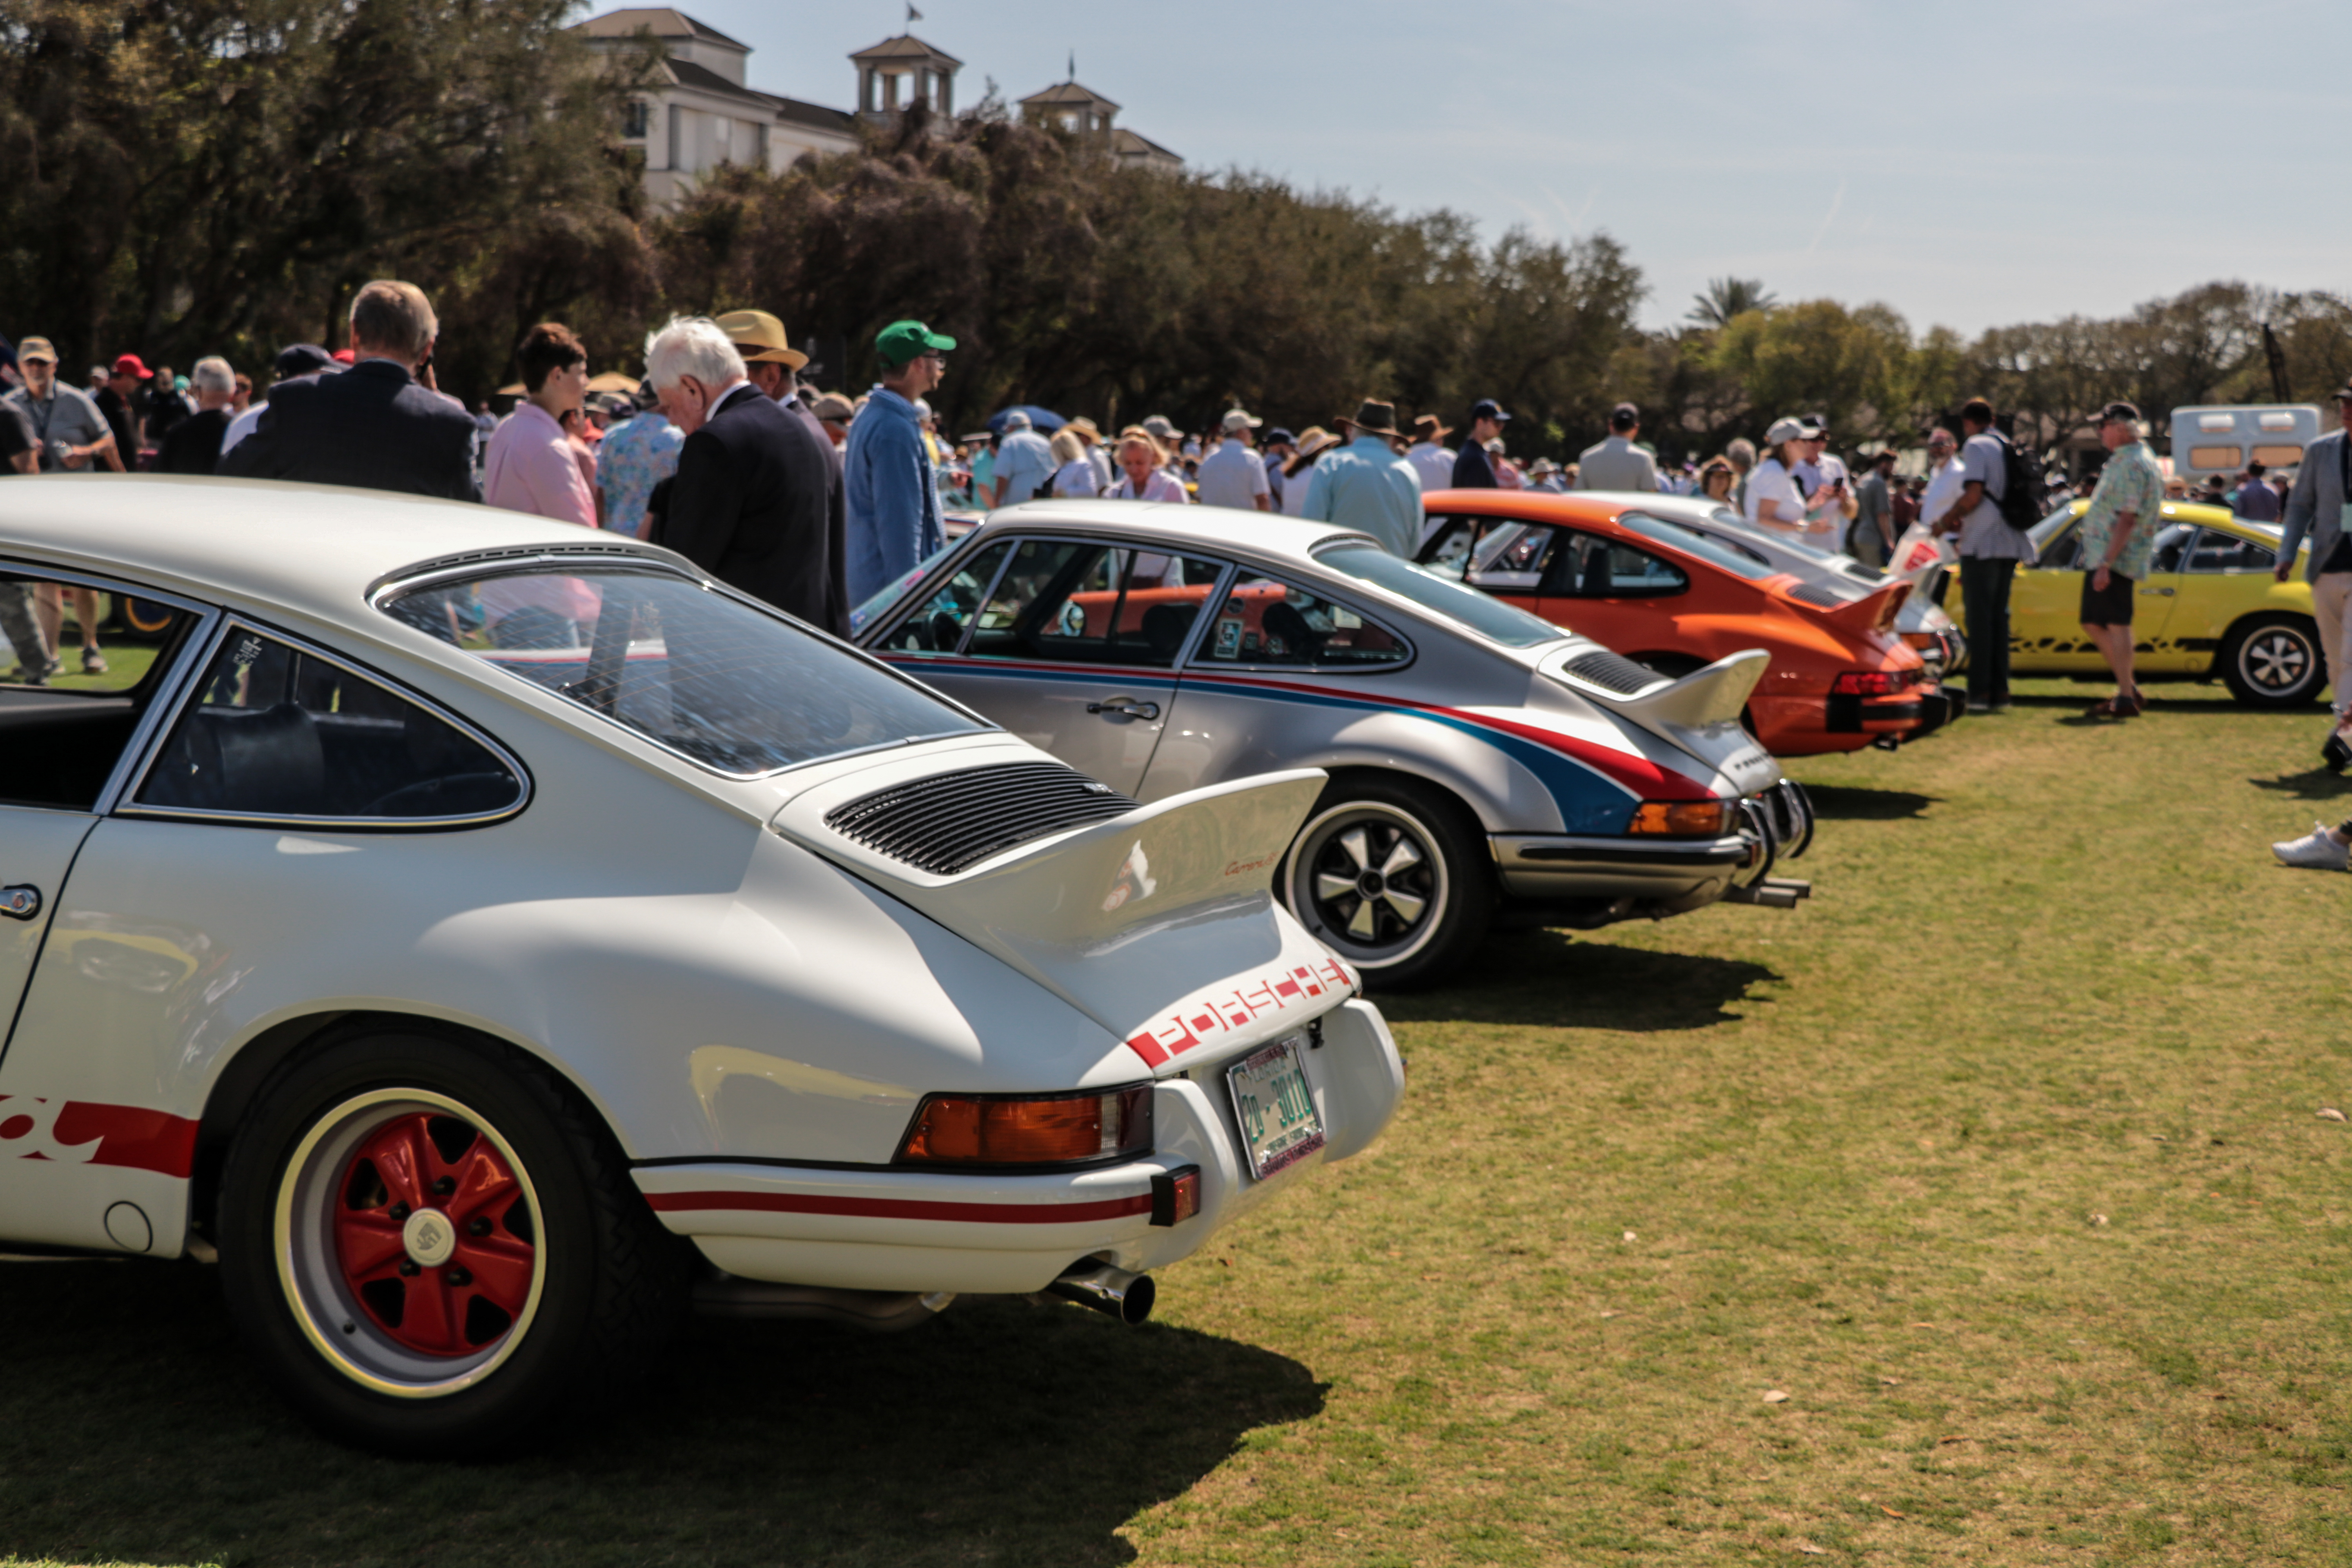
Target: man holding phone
x=2317, y=510
x=1818, y=471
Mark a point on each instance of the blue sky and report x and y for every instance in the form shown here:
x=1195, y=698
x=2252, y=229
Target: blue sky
x=2000, y=162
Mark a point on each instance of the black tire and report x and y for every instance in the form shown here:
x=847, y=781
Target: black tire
x=2273, y=661
x=1427, y=905
x=303, y=1201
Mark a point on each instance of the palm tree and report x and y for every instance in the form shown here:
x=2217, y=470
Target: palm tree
x=1729, y=297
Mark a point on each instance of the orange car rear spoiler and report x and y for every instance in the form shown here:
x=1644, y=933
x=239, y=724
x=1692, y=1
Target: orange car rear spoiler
x=1873, y=612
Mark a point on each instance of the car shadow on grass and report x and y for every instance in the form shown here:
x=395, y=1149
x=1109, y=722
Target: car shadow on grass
x=1561, y=979
x=1003, y=1432
x=1857, y=803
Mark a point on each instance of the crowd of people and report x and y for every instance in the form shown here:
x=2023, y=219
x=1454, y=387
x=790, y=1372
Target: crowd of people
x=816, y=501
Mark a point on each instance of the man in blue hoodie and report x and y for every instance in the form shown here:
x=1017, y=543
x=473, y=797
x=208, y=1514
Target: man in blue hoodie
x=892, y=501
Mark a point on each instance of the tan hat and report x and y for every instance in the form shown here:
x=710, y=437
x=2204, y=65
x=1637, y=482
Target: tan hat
x=1240, y=419
x=833, y=406
x=1084, y=429
x=1314, y=439
x=759, y=339
x=37, y=349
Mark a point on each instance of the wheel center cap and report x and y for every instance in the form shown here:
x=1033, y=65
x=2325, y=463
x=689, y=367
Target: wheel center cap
x=429, y=1238
x=1371, y=885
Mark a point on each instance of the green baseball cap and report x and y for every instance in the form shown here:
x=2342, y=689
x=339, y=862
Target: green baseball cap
x=900, y=341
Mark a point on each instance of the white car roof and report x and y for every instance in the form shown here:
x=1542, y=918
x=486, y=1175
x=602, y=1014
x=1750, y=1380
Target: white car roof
x=314, y=549
x=1262, y=535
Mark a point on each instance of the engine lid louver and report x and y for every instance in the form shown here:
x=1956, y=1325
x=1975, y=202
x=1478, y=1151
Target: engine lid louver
x=1820, y=597
x=1611, y=672
x=945, y=823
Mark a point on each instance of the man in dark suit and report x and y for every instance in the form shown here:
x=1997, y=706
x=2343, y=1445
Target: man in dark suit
x=376, y=426
x=755, y=501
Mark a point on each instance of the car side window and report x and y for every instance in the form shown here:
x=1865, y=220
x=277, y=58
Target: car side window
x=2063, y=553
x=1510, y=557
x=1265, y=621
x=1586, y=566
x=1079, y=602
x=78, y=667
x=276, y=731
x=2217, y=553
x=939, y=626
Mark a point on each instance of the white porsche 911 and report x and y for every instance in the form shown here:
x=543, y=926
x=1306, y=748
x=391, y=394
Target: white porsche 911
x=458, y=908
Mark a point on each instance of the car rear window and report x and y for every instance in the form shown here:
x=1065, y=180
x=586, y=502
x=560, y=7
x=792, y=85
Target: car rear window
x=1506, y=624
x=1691, y=542
x=736, y=688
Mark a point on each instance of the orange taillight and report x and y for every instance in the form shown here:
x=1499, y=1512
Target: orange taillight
x=1682, y=818
x=1043, y=1129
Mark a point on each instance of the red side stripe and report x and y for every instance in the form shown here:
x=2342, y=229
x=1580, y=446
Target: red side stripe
x=904, y=1208
x=139, y=1139
x=1643, y=778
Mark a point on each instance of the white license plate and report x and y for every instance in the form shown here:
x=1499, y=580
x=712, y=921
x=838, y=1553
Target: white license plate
x=1275, y=1108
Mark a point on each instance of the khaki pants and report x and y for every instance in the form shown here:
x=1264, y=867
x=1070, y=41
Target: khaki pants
x=2331, y=605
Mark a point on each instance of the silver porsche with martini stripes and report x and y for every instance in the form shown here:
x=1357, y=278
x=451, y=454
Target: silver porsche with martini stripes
x=1486, y=767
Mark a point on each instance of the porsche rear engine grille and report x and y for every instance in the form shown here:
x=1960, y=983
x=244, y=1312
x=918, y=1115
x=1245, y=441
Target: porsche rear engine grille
x=1612, y=673
x=949, y=821
x=1815, y=595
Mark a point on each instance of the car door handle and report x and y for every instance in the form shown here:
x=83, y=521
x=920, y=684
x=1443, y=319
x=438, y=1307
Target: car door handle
x=21, y=902
x=1125, y=708
x=2166, y=592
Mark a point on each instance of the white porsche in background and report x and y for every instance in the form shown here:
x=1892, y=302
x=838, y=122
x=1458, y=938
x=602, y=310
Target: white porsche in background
x=461, y=907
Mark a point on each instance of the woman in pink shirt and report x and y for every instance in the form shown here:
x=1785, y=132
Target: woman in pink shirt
x=530, y=467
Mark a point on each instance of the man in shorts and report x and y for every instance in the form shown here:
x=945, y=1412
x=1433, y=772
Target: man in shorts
x=2118, y=535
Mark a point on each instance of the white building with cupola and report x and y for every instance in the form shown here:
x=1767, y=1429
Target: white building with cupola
x=701, y=112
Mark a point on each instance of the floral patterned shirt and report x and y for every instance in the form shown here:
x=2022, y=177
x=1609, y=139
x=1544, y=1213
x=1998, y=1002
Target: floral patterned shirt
x=631, y=459
x=2131, y=482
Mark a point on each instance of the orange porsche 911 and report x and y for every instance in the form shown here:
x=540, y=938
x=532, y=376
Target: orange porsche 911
x=1672, y=599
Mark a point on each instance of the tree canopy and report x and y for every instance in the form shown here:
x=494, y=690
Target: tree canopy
x=196, y=176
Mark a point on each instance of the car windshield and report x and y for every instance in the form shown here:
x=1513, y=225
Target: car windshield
x=875, y=608
x=1739, y=528
x=738, y=689
x=2043, y=532
x=1445, y=599
x=1691, y=542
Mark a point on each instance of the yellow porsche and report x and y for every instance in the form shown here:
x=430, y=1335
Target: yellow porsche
x=2209, y=607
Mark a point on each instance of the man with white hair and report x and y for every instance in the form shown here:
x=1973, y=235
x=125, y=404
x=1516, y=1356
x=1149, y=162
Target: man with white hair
x=1024, y=463
x=378, y=425
x=1231, y=476
x=193, y=445
x=753, y=502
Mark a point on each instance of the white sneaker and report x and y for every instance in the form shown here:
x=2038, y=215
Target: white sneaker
x=2318, y=851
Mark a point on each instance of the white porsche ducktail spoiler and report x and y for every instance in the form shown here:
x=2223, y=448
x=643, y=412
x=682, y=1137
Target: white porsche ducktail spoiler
x=1193, y=872
x=1701, y=700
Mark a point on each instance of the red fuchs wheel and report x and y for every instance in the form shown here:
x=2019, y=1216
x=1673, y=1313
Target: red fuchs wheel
x=434, y=1235
x=434, y=1247
x=409, y=1243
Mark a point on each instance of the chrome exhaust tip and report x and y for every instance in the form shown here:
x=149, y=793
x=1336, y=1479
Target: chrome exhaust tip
x=1111, y=1292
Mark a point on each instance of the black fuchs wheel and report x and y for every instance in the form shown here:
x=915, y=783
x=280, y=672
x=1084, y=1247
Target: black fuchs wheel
x=433, y=1247
x=1394, y=877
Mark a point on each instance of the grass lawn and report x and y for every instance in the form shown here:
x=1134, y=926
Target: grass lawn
x=2001, y=1160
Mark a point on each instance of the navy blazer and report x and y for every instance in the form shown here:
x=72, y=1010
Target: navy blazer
x=371, y=426
x=757, y=503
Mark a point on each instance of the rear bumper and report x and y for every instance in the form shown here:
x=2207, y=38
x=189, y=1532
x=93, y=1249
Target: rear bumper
x=1556, y=867
x=878, y=1228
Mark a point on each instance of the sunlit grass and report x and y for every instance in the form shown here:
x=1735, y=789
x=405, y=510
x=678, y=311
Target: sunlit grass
x=2001, y=1158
